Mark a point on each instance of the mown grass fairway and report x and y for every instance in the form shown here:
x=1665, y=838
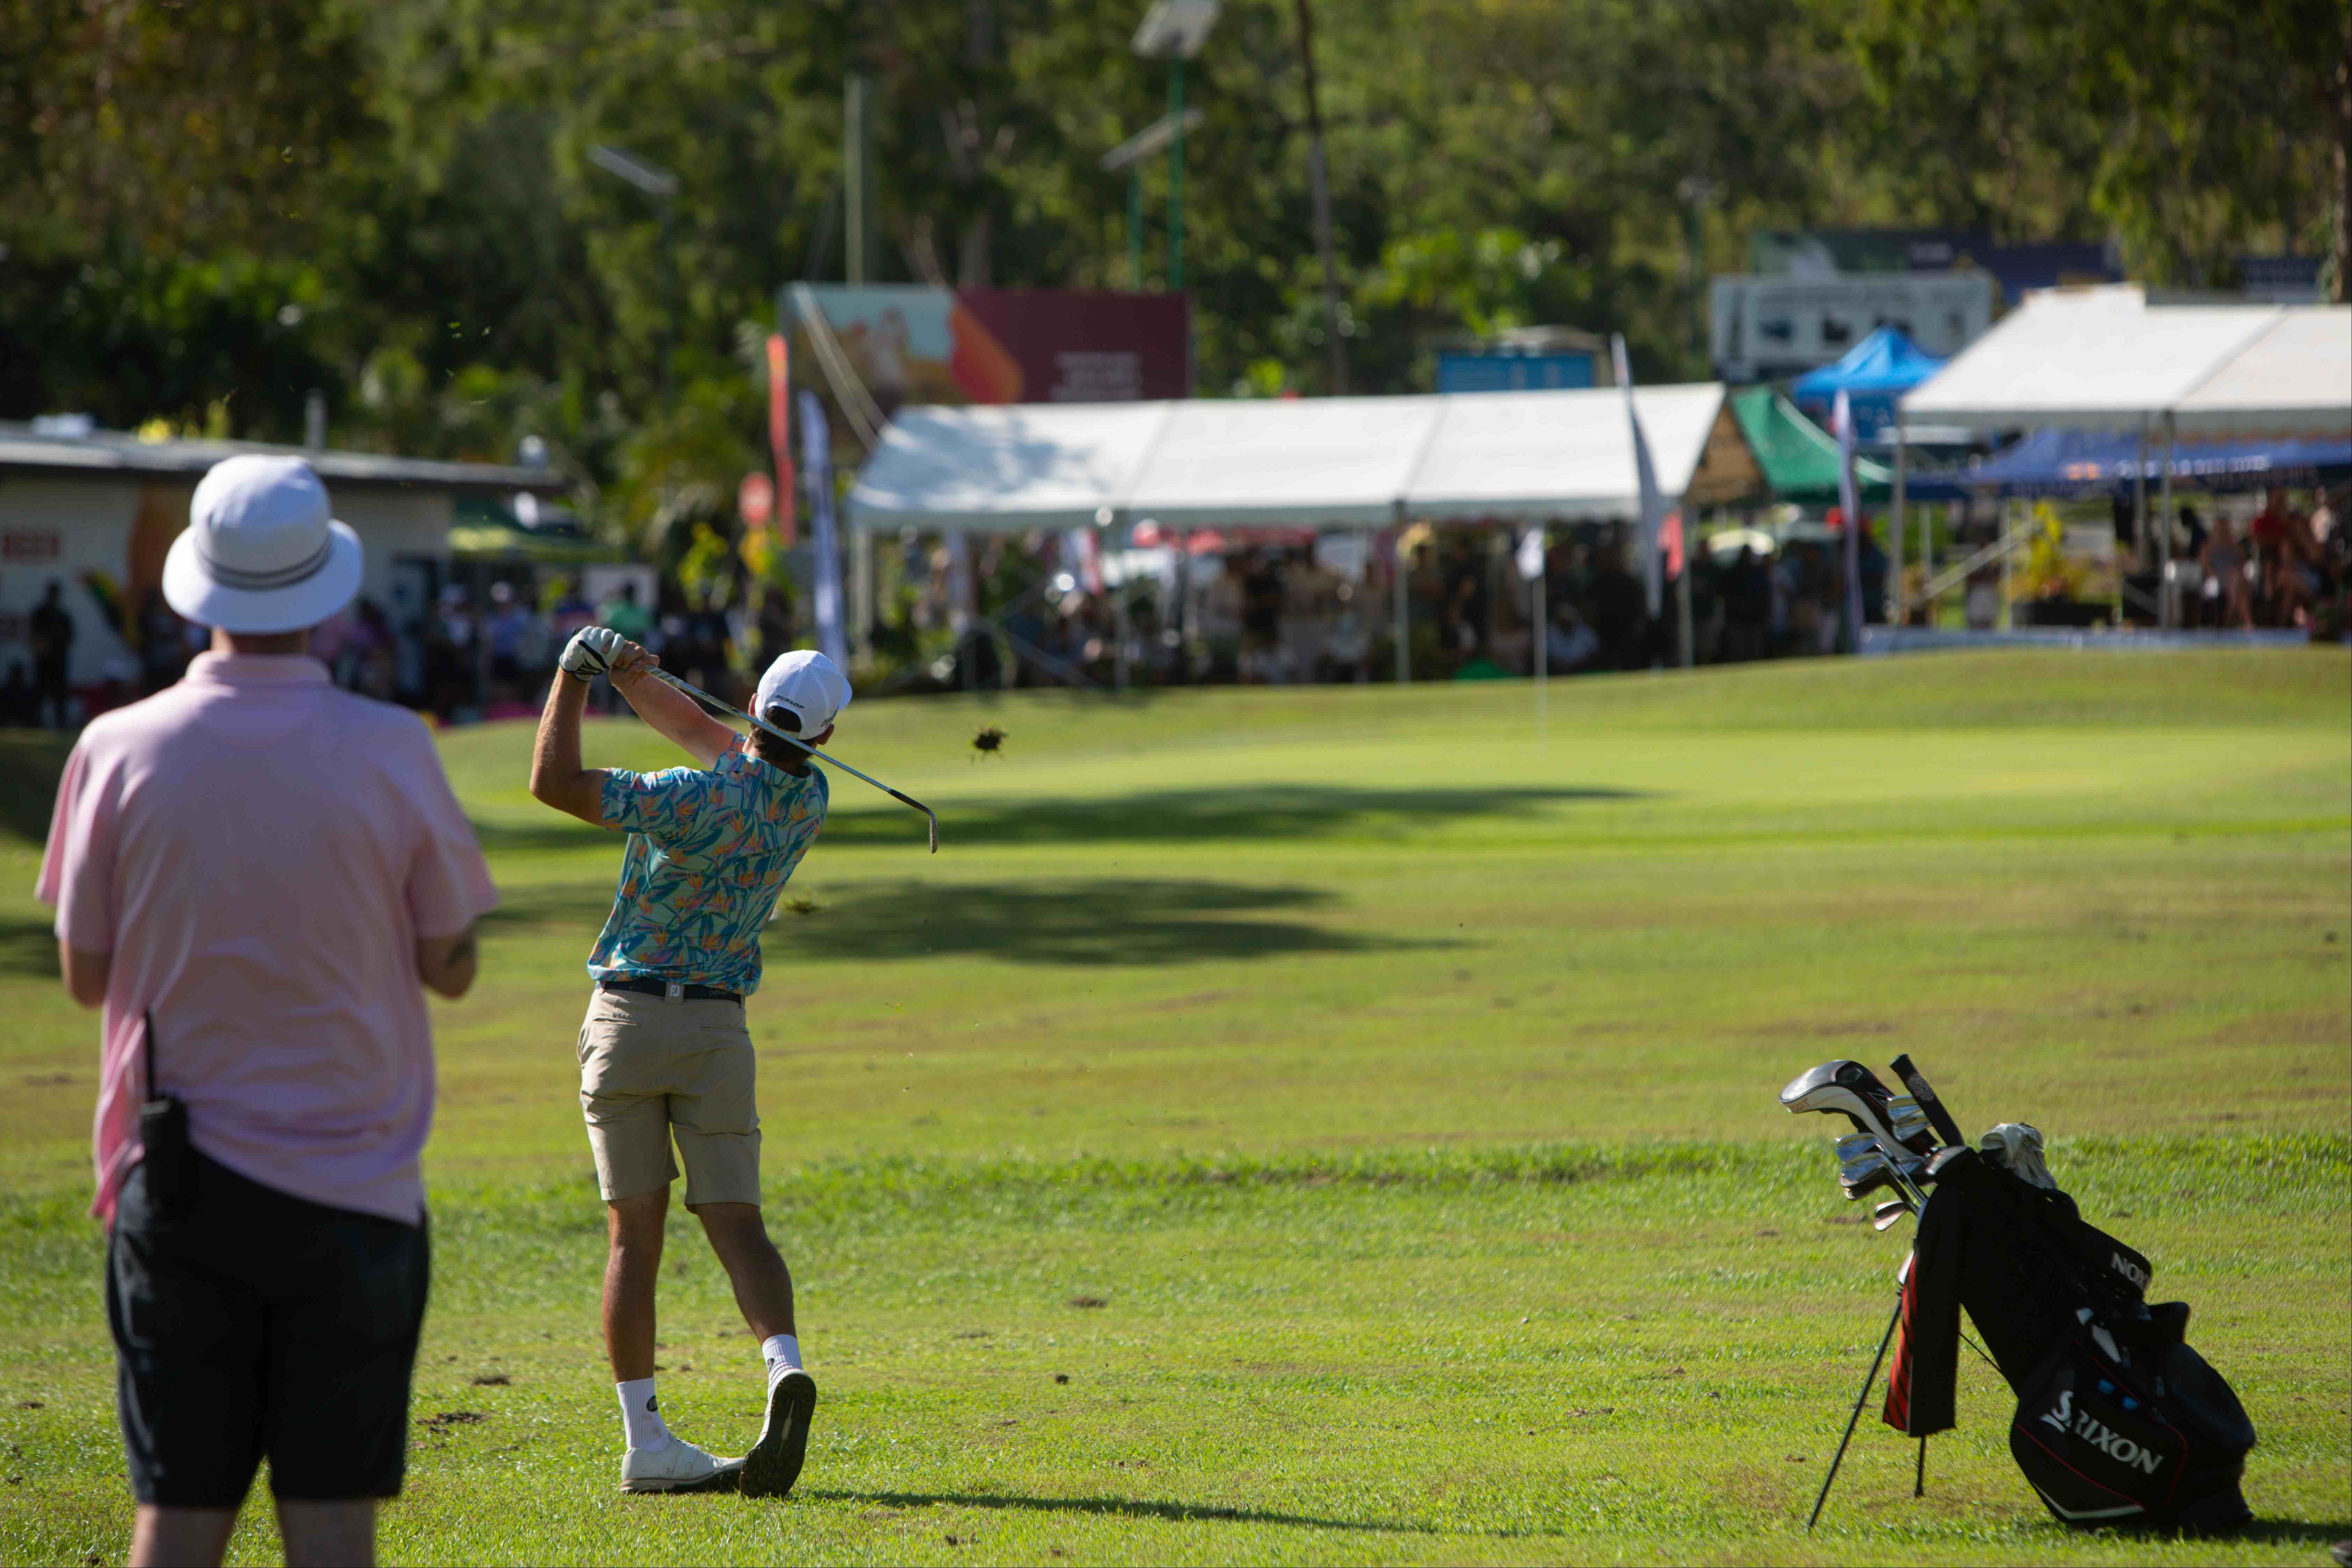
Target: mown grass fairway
x=1364, y=1100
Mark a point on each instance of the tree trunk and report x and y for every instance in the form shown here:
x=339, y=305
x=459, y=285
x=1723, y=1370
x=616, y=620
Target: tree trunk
x=2341, y=149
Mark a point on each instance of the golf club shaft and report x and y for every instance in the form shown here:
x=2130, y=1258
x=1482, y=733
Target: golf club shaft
x=1937, y=1116
x=709, y=701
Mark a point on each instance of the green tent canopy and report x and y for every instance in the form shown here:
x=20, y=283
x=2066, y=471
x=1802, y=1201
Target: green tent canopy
x=1799, y=459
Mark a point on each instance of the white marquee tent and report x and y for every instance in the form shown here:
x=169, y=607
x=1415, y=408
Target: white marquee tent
x=2103, y=361
x=2294, y=379
x=2106, y=360
x=1335, y=462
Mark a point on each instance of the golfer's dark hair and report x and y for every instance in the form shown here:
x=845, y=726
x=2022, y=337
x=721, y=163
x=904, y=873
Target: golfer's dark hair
x=768, y=749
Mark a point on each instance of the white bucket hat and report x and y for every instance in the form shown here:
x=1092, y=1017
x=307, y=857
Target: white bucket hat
x=261, y=554
x=809, y=687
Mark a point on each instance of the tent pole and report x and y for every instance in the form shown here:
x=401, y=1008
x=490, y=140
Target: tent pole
x=1404, y=631
x=1118, y=607
x=2163, y=616
x=1952, y=520
x=1894, y=531
x=1541, y=653
x=861, y=590
x=2139, y=516
x=1683, y=592
x=2007, y=620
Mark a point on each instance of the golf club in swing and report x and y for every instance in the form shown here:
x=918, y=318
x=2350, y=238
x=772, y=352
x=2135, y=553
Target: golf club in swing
x=732, y=711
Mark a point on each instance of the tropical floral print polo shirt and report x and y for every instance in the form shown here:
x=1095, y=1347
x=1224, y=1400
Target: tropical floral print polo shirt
x=709, y=854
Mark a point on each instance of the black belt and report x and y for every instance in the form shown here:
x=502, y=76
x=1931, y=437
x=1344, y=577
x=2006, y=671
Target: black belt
x=670, y=989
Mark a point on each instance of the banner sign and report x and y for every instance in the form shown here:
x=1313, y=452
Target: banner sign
x=831, y=636
x=911, y=343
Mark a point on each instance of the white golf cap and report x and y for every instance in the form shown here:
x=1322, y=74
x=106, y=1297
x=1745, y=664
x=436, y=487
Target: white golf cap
x=809, y=687
x=261, y=554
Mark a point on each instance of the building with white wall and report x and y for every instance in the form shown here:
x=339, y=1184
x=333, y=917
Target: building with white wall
x=97, y=512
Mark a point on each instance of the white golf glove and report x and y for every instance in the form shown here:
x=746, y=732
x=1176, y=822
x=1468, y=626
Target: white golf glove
x=591, y=652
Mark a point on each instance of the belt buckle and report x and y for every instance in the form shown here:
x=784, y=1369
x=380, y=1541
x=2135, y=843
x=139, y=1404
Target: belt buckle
x=672, y=991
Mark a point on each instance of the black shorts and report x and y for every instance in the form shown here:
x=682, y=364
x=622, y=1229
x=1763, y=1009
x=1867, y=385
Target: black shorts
x=260, y=1325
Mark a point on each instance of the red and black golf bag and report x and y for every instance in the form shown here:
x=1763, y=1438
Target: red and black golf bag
x=2119, y=1421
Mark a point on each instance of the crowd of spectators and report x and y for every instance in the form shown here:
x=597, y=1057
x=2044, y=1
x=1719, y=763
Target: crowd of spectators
x=1278, y=607
x=1266, y=608
x=2289, y=567
x=472, y=651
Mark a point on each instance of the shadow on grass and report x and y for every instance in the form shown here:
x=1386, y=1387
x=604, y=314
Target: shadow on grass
x=1184, y=815
x=30, y=763
x=1065, y=921
x=1138, y=1507
x=1151, y=817
x=28, y=947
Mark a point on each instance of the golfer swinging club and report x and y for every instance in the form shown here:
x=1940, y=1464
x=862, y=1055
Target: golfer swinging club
x=665, y=1054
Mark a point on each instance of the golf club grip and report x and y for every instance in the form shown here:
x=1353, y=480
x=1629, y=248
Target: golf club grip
x=1937, y=1117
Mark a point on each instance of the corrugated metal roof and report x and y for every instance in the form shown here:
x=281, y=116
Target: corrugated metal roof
x=113, y=452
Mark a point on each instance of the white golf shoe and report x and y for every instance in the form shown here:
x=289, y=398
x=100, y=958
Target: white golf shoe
x=774, y=1462
x=679, y=1467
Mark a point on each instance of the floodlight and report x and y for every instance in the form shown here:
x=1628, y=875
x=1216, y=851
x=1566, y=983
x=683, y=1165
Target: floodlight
x=654, y=182
x=1152, y=139
x=1174, y=29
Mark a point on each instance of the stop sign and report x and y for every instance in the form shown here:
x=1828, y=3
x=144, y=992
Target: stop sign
x=755, y=500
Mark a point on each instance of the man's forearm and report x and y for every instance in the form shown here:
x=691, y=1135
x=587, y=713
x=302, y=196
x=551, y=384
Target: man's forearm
x=557, y=779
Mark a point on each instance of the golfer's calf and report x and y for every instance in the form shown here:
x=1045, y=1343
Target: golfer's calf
x=666, y=1057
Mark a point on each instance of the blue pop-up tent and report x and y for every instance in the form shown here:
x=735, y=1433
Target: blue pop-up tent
x=1873, y=374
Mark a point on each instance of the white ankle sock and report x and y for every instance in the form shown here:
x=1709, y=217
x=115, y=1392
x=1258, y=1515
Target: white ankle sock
x=784, y=1348
x=641, y=1414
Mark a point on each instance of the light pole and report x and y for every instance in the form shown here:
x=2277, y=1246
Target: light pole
x=1131, y=155
x=1174, y=30
x=1319, y=188
x=662, y=186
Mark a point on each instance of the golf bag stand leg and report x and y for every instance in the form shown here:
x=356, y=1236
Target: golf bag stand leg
x=1852, y=1421
x=1919, y=1482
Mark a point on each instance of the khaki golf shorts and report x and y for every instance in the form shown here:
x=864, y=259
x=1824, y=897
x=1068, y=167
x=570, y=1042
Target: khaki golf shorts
x=652, y=1070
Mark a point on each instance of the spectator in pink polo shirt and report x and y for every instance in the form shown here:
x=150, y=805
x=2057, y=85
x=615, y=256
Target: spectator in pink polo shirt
x=256, y=875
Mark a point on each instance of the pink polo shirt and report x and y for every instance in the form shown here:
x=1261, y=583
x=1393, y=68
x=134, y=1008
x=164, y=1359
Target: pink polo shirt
x=261, y=853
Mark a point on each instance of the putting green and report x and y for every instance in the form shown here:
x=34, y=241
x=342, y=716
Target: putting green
x=1326, y=1034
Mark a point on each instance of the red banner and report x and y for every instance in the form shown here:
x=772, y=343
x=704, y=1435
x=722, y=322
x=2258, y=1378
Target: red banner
x=780, y=438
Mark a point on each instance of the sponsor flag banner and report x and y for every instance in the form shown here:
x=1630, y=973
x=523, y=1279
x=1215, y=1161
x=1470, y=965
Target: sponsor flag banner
x=779, y=436
x=1645, y=477
x=816, y=439
x=1849, y=512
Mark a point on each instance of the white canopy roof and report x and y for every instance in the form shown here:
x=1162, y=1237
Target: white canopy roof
x=1011, y=467
x=2294, y=379
x=2108, y=361
x=1336, y=461
x=1532, y=456
x=1320, y=462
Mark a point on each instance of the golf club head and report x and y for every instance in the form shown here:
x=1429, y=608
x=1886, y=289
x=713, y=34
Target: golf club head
x=1855, y=1145
x=1860, y=1177
x=1851, y=1090
x=1886, y=1213
x=1912, y=1128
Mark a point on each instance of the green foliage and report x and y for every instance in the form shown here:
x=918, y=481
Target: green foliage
x=2049, y=571
x=129, y=337
x=412, y=179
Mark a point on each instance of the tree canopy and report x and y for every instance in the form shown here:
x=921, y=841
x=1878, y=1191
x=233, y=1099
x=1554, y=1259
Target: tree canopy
x=208, y=210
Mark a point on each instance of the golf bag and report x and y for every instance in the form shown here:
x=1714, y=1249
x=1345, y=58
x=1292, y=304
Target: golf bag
x=2118, y=1421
